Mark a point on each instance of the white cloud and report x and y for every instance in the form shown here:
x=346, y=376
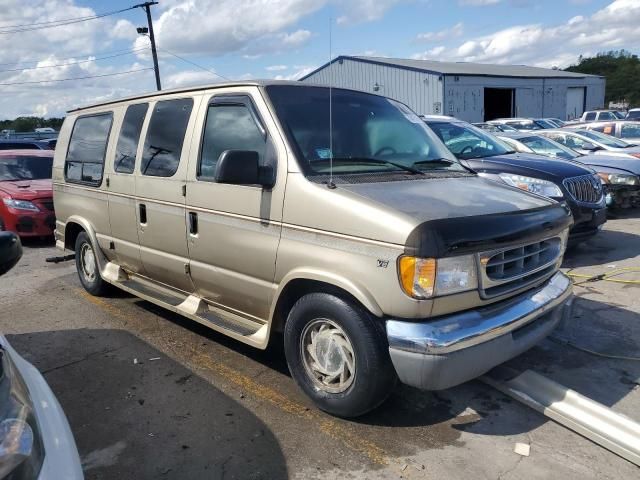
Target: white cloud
x=301, y=71
x=188, y=78
x=357, y=11
x=614, y=26
x=276, y=68
x=478, y=3
x=448, y=33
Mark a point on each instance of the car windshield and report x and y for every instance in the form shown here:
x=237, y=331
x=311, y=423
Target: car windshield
x=633, y=115
x=370, y=134
x=549, y=148
x=619, y=115
x=24, y=167
x=544, y=123
x=607, y=140
x=466, y=141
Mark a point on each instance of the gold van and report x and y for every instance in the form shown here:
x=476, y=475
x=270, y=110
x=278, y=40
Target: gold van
x=375, y=252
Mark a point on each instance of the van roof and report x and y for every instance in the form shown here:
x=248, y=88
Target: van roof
x=244, y=83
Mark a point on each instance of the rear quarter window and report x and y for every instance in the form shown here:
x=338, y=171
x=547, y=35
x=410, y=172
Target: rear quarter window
x=87, y=149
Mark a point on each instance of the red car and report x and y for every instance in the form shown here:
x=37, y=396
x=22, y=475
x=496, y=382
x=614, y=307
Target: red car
x=26, y=194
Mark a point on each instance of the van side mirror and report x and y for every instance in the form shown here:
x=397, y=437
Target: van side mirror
x=238, y=167
x=10, y=251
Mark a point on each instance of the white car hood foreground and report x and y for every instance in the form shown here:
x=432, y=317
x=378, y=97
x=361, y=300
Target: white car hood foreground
x=61, y=459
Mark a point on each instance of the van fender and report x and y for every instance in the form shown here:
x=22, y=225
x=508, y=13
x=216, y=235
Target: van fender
x=355, y=289
x=90, y=230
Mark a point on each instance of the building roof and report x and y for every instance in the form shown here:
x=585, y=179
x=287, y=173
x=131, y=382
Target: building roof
x=462, y=68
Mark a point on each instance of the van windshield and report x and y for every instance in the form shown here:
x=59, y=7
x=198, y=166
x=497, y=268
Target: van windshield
x=370, y=134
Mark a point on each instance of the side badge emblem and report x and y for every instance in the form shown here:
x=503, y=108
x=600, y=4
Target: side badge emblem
x=383, y=263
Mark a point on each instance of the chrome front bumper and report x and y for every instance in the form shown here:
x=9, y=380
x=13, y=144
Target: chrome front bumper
x=450, y=350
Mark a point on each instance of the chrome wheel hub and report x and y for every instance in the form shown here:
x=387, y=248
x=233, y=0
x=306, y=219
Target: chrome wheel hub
x=328, y=356
x=88, y=262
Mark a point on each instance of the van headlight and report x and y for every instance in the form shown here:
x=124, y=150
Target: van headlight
x=533, y=185
x=423, y=278
x=21, y=451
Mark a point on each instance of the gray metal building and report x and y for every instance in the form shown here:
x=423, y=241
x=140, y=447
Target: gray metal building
x=469, y=91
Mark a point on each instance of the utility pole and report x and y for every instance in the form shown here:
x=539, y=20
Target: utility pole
x=147, y=8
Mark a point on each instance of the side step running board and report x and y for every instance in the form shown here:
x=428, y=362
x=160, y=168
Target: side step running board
x=598, y=423
x=191, y=306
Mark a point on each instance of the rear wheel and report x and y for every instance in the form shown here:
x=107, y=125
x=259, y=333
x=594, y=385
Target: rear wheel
x=338, y=354
x=87, y=267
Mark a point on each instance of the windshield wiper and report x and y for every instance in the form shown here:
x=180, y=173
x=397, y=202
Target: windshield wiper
x=378, y=161
x=434, y=160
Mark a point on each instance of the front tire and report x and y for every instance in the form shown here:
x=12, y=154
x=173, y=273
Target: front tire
x=338, y=354
x=87, y=267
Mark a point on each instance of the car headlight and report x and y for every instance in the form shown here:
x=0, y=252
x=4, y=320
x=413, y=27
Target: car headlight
x=20, y=204
x=427, y=277
x=21, y=451
x=532, y=184
x=619, y=178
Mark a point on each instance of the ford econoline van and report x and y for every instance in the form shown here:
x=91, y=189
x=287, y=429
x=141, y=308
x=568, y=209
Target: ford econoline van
x=334, y=216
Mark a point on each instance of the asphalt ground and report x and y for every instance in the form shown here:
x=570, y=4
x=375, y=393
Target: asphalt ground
x=152, y=395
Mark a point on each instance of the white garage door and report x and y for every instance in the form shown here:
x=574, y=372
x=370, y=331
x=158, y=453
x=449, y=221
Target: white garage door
x=575, y=102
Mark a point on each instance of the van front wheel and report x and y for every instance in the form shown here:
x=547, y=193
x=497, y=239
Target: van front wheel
x=87, y=267
x=338, y=354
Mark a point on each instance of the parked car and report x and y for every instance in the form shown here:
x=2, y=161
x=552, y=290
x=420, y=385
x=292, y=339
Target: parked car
x=36, y=439
x=576, y=185
x=601, y=115
x=557, y=122
x=524, y=124
x=620, y=176
x=625, y=130
x=495, y=127
x=633, y=114
x=26, y=192
x=589, y=141
x=372, y=248
x=27, y=145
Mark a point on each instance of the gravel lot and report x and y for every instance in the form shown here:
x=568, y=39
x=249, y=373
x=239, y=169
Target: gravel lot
x=152, y=395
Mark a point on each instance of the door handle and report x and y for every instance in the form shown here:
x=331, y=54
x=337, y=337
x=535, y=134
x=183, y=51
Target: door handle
x=193, y=223
x=143, y=213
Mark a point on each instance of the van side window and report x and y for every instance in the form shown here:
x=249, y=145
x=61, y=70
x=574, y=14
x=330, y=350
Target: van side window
x=590, y=116
x=129, y=137
x=228, y=127
x=165, y=137
x=87, y=149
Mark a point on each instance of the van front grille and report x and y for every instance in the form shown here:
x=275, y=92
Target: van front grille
x=586, y=188
x=503, y=271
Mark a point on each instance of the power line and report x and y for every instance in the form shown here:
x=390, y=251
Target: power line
x=128, y=52
x=194, y=64
x=16, y=64
x=77, y=78
x=59, y=23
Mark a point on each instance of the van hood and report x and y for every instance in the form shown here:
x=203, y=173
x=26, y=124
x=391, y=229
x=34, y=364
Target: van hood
x=437, y=198
x=27, y=189
x=467, y=214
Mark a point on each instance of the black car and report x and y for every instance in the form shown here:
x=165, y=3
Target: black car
x=577, y=186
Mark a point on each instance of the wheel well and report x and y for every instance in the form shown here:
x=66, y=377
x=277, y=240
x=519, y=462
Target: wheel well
x=71, y=232
x=298, y=288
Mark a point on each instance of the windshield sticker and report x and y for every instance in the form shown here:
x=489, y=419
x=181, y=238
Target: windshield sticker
x=324, y=153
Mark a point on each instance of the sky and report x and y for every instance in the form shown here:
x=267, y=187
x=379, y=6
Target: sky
x=204, y=41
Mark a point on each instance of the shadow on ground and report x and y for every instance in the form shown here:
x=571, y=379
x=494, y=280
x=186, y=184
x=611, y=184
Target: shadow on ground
x=151, y=418
x=605, y=247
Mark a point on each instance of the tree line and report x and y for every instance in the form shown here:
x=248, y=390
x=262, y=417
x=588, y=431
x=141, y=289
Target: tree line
x=29, y=124
x=622, y=71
